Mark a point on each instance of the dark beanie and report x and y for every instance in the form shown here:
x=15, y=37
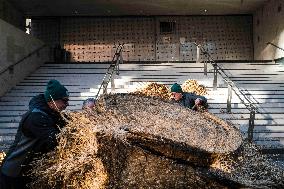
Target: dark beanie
x=176, y=88
x=54, y=90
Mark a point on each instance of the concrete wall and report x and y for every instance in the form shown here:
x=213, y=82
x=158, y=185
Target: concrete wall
x=11, y=15
x=269, y=27
x=14, y=46
x=93, y=39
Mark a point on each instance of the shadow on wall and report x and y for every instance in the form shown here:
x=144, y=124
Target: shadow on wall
x=90, y=52
x=271, y=52
x=278, y=53
x=62, y=55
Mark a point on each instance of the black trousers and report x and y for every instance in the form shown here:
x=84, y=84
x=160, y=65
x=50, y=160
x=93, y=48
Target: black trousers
x=13, y=182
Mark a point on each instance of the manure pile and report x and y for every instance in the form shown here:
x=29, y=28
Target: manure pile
x=133, y=141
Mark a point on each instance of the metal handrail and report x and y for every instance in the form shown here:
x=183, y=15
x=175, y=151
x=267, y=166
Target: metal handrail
x=22, y=59
x=227, y=78
x=269, y=43
x=113, y=68
x=232, y=87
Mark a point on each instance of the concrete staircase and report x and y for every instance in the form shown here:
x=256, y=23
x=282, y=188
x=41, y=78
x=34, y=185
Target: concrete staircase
x=260, y=81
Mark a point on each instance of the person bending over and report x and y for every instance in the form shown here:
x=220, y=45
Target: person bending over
x=36, y=135
x=188, y=100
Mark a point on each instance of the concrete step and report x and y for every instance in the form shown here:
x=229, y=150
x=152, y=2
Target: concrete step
x=261, y=82
x=246, y=116
x=9, y=125
x=236, y=105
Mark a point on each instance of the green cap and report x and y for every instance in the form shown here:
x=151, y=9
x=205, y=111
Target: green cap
x=176, y=88
x=54, y=90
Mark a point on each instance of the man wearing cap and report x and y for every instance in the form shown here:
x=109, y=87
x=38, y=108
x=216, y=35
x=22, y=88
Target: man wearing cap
x=189, y=100
x=36, y=134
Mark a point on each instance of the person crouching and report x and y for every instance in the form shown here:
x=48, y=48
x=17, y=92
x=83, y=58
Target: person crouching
x=188, y=100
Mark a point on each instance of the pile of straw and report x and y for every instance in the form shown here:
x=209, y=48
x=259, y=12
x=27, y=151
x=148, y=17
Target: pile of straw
x=192, y=86
x=162, y=91
x=75, y=162
x=154, y=89
x=133, y=141
x=152, y=116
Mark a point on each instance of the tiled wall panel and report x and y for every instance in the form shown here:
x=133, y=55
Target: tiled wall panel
x=94, y=39
x=47, y=30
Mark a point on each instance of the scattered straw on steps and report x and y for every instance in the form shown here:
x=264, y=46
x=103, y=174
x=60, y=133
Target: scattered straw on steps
x=247, y=165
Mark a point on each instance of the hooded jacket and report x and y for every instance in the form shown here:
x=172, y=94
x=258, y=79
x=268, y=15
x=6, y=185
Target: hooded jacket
x=36, y=134
x=188, y=99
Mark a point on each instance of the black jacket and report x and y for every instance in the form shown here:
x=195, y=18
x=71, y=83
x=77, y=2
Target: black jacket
x=188, y=100
x=36, y=135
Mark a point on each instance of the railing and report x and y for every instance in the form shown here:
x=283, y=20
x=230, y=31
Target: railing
x=113, y=68
x=231, y=87
x=269, y=43
x=11, y=67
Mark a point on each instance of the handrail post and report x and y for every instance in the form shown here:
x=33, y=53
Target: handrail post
x=251, y=125
x=215, y=77
x=112, y=84
x=205, y=67
x=197, y=53
x=229, y=99
x=120, y=61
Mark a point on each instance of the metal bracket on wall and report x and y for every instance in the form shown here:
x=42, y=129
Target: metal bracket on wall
x=11, y=69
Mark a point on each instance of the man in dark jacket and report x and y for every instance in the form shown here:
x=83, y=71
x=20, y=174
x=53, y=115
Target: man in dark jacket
x=36, y=135
x=189, y=100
